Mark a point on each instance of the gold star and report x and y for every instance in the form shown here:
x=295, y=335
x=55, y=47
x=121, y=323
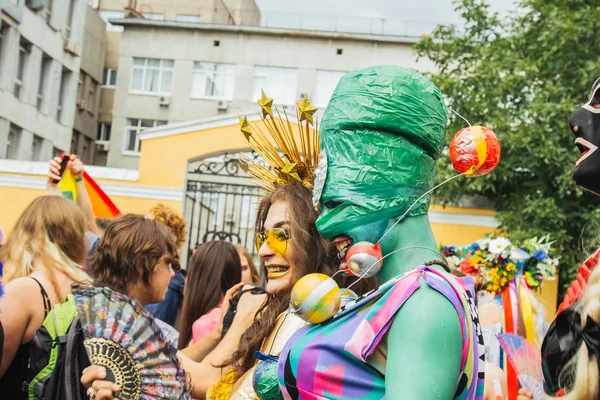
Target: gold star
x=291, y=170
x=245, y=128
x=266, y=104
x=306, y=110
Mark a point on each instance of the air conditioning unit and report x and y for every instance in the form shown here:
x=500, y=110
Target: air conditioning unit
x=222, y=105
x=103, y=145
x=81, y=105
x=229, y=218
x=71, y=47
x=164, y=101
x=36, y=5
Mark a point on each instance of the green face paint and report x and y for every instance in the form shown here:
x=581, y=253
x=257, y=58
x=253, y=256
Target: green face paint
x=382, y=132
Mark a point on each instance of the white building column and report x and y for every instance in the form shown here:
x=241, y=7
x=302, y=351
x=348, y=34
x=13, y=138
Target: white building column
x=24, y=146
x=4, y=128
x=46, y=150
x=10, y=59
x=31, y=77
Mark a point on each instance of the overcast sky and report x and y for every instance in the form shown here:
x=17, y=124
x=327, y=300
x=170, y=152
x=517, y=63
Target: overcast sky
x=402, y=17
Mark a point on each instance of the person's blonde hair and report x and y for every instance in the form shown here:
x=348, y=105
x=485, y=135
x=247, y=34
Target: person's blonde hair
x=581, y=373
x=172, y=220
x=244, y=252
x=51, y=231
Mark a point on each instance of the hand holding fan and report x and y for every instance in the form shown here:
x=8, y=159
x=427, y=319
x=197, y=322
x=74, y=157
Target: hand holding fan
x=527, y=362
x=121, y=336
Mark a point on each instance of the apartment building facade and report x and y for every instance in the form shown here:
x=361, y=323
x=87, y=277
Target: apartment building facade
x=190, y=12
x=41, y=44
x=205, y=70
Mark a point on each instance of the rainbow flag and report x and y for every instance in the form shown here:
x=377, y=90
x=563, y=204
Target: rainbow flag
x=102, y=204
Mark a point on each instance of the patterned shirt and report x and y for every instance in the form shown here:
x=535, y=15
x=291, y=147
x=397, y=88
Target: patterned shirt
x=329, y=361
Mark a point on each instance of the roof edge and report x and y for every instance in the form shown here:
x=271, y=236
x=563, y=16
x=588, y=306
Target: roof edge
x=138, y=22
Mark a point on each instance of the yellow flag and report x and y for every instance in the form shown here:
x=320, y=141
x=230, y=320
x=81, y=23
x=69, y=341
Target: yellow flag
x=67, y=186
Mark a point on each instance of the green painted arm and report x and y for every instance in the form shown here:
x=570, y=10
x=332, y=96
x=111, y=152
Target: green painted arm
x=424, y=347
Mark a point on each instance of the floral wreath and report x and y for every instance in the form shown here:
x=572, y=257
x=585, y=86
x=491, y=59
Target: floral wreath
x=499, y=261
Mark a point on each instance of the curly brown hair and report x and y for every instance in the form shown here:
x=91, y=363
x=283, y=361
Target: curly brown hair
x=172, y=220
x=132, y=246
x=311, y=254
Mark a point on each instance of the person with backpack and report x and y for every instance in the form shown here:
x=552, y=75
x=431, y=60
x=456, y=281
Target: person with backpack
x=42, y=258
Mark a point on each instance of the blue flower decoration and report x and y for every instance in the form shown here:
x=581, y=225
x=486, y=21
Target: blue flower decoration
x=475, y=247
x=540, y=255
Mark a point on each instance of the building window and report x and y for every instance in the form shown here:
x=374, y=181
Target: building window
x=135, y=126
x=81, y=90
x=215, y=81
x=326, y=83
x=109, y=79
x=44, y=77
x=86, y=156
x=151, y=76
x=56, y=152
x=48, y=10
x=108, y=15
x=69, y=23
x=91, y=98
x=188, y=18
x=65, y=76
x=75, y=142
x=36, y=148
x=23, y=60
x=278, y=83
x=103, y=134
x=12, y=143
x=4, y=31
x=154, y=16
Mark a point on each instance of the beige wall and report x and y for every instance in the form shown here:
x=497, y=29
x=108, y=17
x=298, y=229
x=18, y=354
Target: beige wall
x=94, y=45
x=111, y=60
x=211, y=11
x=244, y=12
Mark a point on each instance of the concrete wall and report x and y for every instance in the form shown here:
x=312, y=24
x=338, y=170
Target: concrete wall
x=46, y=38
x=94, y=45
x=113, y=40
x=13, y=8
x=246, y=50
x=211, y=11
x=88, y=104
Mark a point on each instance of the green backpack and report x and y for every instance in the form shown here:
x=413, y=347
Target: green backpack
x=57, y=356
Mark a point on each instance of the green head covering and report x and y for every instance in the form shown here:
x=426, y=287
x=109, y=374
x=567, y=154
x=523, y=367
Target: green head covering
x=381, y=134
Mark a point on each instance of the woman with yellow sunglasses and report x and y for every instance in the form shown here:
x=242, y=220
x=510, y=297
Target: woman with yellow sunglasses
x=289, y=247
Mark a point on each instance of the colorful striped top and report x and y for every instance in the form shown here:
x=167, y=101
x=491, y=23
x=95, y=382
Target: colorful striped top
x=329, y=361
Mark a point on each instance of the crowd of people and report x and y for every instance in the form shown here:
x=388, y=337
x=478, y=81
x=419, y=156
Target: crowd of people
x=392, y=322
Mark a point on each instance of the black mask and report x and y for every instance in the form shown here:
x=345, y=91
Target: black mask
x=585, y=124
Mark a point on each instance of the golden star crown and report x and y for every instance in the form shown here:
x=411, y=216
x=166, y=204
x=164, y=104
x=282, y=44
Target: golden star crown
x=275, y=139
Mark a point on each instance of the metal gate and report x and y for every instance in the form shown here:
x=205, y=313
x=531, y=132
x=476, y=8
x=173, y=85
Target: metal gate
x=220, y=203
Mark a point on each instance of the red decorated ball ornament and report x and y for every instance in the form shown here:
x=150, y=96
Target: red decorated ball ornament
x=475, y=151
x=364, y=259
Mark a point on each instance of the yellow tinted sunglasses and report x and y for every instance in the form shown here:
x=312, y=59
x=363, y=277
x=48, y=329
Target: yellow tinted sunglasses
x=275, y=238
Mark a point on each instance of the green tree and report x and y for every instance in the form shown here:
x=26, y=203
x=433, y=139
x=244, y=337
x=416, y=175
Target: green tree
x=523, y=76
